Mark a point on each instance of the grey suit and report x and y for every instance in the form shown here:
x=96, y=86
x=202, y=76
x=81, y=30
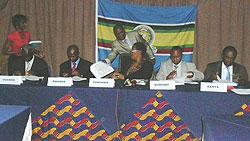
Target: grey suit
x=167, y=67
x=215, y=68
x=119, y=47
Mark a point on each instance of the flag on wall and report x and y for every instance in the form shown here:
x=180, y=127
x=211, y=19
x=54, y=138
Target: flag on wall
x=162, y=27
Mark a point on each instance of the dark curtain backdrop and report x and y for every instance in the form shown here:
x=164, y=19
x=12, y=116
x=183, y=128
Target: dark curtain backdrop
x=60, y=23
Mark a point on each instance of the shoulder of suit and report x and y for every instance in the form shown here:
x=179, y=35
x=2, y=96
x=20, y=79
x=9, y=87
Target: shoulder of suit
x=238, y=65
x=133, y=32
x=85, y=61
x=214, y=63
x=115, y=42
x=167, y=62
x=65, y=63
x=188, y=63
x=40, y=60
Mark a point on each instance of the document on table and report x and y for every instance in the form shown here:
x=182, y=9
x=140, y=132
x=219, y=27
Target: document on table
x=77, y=78
x=101, y=69
x=241, y=91
x=229, y=83
x=31, y=78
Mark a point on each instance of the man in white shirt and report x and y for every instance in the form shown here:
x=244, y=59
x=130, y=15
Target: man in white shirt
x=124, y=42
x=178, y=70
x=227, y=69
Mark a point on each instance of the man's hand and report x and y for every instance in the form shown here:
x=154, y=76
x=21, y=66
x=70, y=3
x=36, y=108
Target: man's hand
x=104, y=61
x=65, y=74
x=171, y=75
x=214, y=77
x=41, y=54
x=152, y=61
x=190, y=74
x=31, y=73
x=76, y=73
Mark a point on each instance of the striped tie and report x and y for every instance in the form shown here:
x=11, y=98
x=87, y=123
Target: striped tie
x=74, y=67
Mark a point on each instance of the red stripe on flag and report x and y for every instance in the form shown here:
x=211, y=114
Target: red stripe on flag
x=167, y=51
x=102, y=44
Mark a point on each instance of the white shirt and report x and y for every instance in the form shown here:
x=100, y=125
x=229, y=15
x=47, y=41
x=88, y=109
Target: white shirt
x=28, y=65
x=127, y=41
x=224, y=72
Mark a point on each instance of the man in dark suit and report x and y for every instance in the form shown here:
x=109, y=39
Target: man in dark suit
x=227, y=69
x=75, y=66
x=30, y=64
x=124, y=42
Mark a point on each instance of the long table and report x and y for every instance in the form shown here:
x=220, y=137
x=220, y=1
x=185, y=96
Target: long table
x=105, y=114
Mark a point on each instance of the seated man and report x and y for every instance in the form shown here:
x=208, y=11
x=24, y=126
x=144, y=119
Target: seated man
x=174, y=68
x=30, y=64
x=227, y=69
x=124, y=42
x=75, y=66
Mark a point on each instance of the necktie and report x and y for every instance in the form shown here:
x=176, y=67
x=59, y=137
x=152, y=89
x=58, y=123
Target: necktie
x=228, y=74
x=74, y=66
x=175, y=67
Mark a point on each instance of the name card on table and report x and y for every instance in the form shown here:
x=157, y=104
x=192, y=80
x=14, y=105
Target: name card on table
x=11, y=80
x=213, y=87
x=162, y=85
x=105, y=82
x=60, y=81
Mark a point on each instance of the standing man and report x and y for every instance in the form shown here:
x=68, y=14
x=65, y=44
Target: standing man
x=124, y=42
x=175, y=68
x=227, y=69
x=75, y=66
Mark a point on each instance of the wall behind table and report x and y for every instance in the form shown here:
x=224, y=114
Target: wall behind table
x=61, y=23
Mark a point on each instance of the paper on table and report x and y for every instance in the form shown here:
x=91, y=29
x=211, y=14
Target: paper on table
x=77, y=78
x=229, y=83
x=31, y=78
x=241, y=91
x=101, y=69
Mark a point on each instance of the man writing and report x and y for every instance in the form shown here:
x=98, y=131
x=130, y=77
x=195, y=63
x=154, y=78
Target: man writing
x=124, y=42
x=175, y=68
x=227, y=69
x=75, y=65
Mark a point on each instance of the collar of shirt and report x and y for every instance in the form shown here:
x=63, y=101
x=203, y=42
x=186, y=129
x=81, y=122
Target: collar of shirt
x=29, y=64
x=127, y=41
x=224, y=71
x=77, y=62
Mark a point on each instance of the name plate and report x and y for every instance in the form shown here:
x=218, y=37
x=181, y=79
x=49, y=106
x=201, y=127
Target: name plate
x=60, y=81
x=107, y=83
x=213, y=87
x=11, y=80
x=162, y=85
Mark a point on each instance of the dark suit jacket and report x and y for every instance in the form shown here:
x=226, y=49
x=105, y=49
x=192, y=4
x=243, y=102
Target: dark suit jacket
x=39, y=67
x=215, y=67
x=83, y=68
x=145, y=72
